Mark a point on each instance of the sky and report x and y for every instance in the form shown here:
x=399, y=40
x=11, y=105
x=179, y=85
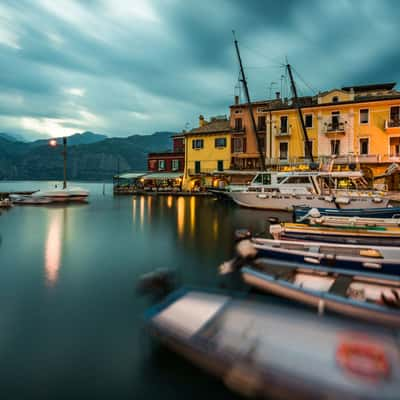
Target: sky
x=124, y=67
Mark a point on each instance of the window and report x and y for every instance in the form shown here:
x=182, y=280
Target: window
x=161, y=165
x=197, y=143
x=175, y=165
x=308, y=149
x=261, y=143
x=220, y=165
x=364, y=145
x=308, y=120
x=263, y=179
x=238, y=124
x=364, y=116
x=197, y=167
x=335, y=119
x=335, y=147
x=335, y=99
x=261, y=123
x=220, y=142
x=395, y=116
x=284, y=124
x=298, y=180
x=283, y=150
x=237, y=145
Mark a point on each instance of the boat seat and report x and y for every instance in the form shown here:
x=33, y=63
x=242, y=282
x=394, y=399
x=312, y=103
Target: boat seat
x=278, y=272
x=340, y=286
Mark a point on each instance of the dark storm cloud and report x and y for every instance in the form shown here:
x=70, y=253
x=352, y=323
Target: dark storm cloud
x=135, y=67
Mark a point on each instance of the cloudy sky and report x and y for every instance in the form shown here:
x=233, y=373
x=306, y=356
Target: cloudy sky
x=122, y=67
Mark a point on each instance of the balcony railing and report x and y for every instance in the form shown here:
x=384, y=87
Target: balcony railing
x=338, y=127
x=392, y=123
x=238, y=130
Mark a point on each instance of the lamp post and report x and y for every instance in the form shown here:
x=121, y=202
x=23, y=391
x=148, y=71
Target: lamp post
x=53, y=143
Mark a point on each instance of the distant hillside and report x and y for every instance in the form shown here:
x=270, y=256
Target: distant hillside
x=75, y=139
x=92, y=161
x=12, y=137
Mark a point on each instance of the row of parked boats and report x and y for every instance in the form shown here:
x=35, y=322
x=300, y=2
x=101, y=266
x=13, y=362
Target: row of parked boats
x=343, y=263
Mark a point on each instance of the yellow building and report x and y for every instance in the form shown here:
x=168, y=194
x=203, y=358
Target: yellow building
x=355, y=124
x=207, y=153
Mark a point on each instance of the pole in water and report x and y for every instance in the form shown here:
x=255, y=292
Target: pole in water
x=104, y=189
x=65, y=161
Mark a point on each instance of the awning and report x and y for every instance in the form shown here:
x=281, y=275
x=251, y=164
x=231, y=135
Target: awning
x=130, y=175
x=236, y=172
x=163, y=175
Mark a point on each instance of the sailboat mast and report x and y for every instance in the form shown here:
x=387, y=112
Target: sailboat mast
x=297, y=104
x=249, y=105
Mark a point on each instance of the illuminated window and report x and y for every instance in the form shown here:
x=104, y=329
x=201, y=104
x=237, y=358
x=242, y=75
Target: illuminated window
x=161, y=165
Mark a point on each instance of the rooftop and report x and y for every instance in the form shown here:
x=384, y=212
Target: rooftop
x=214, y=126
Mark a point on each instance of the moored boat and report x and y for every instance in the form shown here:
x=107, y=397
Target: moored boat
x=260, y=349
x=377, y=259
x=63, y=195
x=358, y=294
x=6, y=203
x=381, y=235
x=29, y=200
x=300, y=212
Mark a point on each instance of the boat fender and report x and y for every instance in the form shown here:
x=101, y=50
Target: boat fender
x=377, y=199
x=274, y=220
x=275, y=230
x=342, y=200
x=311, y=260
x=246, y=249
x=329, y=198
x=372, y=265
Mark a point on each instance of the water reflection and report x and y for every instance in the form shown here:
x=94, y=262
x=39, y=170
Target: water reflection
x=180, y=215
x=53, y=246
x=134, y=209
x=169, y=201
x=141, y=215
x=192, y=207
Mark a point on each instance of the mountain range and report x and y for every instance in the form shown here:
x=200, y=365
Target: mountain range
x=90, y=156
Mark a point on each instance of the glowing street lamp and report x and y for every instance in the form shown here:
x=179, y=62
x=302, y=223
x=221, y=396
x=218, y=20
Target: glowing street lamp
x=53, y=143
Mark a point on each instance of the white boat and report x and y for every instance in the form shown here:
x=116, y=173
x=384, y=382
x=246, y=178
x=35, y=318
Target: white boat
x=63, y=195
x=29, y=200
x=283, y=191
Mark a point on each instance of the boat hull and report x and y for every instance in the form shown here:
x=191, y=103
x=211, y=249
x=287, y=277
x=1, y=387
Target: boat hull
x=384, y=212
x=287, y=202
x=259, y=349
x=337, y=258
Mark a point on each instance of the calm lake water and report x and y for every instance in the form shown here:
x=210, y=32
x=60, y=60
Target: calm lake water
x=70, y=320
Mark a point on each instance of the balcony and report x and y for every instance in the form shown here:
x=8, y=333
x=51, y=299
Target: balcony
x=238, y=130
x=392, y=125
x=335, y=127
x=203, y=171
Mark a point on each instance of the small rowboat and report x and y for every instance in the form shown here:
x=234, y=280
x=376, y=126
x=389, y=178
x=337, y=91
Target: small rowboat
x=380, y=236
x=353, y=221
x=261, y=350
x=375, y=259
x=387, y=212
x=368, y=296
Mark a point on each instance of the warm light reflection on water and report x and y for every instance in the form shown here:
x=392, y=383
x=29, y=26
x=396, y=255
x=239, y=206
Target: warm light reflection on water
x=215, y=227
x=133, y=209
x=141, y=215
x=53, y=246
x=180, y=215
x=192, y=207
x=149, y=201
x=169, y=201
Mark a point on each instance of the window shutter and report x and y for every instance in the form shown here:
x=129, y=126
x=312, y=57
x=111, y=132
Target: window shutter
x=193, y=141
x=244, y=145
x=232, y=147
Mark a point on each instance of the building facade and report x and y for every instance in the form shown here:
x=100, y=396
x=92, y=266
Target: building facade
x=170, y=161
x=360, y=123
x=207, y=152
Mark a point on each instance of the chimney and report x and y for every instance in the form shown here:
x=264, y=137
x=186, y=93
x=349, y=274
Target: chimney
x=202, y=121
x=278, y=95
x=236, y=100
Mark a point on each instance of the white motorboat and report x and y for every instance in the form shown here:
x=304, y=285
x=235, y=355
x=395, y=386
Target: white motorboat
x=283, y=191
x=63, y=195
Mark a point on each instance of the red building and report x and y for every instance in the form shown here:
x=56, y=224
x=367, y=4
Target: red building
x=170, y=161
